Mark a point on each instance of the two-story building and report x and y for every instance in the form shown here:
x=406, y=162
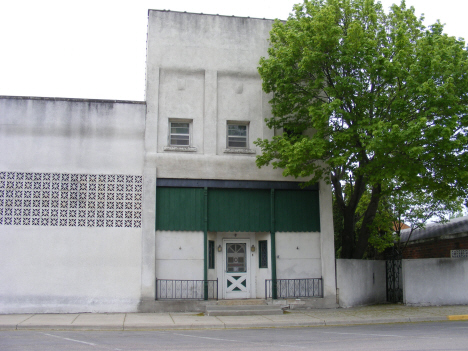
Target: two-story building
x=108, y=205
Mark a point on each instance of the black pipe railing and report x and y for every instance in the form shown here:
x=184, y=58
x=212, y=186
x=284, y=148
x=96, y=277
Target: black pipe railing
x=177, y=289
x=290, y=288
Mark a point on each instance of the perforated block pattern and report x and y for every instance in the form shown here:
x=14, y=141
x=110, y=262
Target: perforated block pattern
x=459, y=253
x=73, y=200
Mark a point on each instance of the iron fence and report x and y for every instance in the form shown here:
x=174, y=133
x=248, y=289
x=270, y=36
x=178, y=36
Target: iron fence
x=304, y=287
x=186, y=289
x=394, y=283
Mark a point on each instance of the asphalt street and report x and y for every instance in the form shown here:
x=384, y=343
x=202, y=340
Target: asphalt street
x=399, y=336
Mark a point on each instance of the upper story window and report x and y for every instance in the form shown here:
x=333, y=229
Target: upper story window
x=237, y=135
x=179, y=134
x=237, y=138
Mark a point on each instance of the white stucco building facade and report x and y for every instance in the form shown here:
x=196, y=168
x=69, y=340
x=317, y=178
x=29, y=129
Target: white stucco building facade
x=103, y=201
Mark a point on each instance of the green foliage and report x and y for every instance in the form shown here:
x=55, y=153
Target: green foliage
x=381, y=229
x=386, y=98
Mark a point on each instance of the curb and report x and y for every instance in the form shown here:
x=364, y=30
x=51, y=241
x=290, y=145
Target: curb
x=69, y=327
x=231, y=325
x=459, y=317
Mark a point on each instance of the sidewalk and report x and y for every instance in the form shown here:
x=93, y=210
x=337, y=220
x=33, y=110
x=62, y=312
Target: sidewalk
x=295, y=318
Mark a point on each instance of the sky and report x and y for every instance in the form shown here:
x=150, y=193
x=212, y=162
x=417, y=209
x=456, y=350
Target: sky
x=96, y=49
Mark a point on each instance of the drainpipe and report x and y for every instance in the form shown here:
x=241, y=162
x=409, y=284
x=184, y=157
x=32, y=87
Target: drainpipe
x=274, y=287
x=205, y=244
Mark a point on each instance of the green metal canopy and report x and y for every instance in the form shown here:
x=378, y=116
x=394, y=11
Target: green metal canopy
x=248, y=210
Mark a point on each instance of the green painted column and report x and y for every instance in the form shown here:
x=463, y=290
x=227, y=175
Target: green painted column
x=205, y=244
x=273, y=246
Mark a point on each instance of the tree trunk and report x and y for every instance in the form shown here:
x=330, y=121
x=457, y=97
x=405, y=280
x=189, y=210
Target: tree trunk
x=348, y=211
x=369, y=215
x=347, y=233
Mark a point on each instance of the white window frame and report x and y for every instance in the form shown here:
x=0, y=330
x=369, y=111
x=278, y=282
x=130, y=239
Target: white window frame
x=237, y=123
x=173, y=147
x=173, y=121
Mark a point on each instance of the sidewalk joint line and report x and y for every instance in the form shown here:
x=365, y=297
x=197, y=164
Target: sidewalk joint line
x=123, y=323
x=223, y=324
x=73, y=321
x=173, y=321
x=16, y=327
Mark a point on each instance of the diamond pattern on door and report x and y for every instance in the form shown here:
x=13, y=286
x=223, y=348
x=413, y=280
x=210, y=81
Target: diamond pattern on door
x=236, y=277
x=236, y=283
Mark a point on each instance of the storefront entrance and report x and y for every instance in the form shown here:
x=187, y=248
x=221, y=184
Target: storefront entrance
x=236, y=277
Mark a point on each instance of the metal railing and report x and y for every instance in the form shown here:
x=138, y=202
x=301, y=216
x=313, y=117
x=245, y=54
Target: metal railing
x=186, y=289
x=394, y=281
x=304, y=287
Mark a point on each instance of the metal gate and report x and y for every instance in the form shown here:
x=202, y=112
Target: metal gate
x=394, y=281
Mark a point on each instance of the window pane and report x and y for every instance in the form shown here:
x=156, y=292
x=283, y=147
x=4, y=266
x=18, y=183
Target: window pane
x=237, y=142
x=263, y=254
x=211, y=254
x=180, y=140
x=234, y=130
x=179, y=128
x=237, y=135
x=236, y=258
x=180, y=134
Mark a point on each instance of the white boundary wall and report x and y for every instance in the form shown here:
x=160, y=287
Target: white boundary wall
x=360, y=282
x=71, y=195
x=435, y=281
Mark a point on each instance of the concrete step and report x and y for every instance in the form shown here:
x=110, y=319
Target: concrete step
x=241, y=302
x=243, y=310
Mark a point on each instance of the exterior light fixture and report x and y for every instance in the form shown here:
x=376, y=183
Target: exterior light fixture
x=252, y=248
x=220, y=248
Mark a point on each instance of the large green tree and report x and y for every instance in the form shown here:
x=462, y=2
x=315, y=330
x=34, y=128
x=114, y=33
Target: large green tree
x=398, y=209
x=367, y=99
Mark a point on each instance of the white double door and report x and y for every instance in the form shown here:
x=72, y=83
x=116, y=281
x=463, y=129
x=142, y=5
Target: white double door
x=236, y=277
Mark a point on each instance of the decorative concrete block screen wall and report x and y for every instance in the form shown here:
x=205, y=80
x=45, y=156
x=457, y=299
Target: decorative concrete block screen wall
x=459, y=253
x=63, y=199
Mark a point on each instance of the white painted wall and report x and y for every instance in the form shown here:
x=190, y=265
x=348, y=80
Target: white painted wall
x=435, y=281
x=203, y=68
x=67, y=270
x=360, y=282
x=327, y=241
x=226, y=167
x=179, y=255
x=212, y=274
x=192, y=41
x=239, y=99
x=262, y=273
x=298, y=255
x=181, y=97
x=74, y=136
x=70, y=269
